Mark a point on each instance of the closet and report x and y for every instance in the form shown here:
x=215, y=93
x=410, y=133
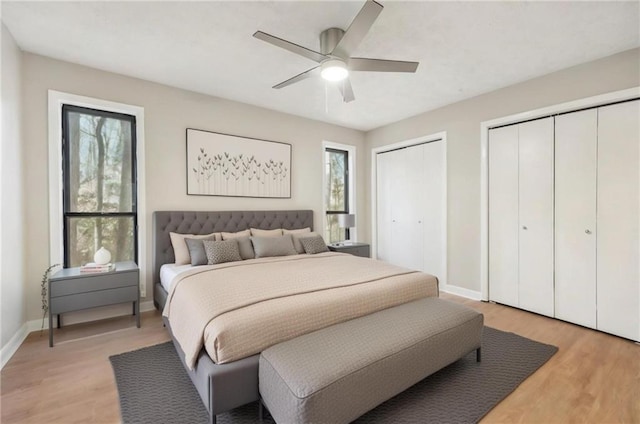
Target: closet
x=410, y=200
x=564, y=217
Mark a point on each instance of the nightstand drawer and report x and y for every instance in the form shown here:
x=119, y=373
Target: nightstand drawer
x=92, y=299
x=90, y=283
x=357, y=251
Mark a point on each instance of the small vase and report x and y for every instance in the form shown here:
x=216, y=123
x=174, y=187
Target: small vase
x=102, y=256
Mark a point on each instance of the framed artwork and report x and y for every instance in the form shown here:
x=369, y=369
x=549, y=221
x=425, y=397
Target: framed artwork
x=228, y=165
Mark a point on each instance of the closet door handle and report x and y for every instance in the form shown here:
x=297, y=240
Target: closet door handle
x=587, y=231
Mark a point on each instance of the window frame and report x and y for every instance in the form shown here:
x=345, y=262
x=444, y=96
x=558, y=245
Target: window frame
x=55, y=101
x=350, y=187
x=66, y=182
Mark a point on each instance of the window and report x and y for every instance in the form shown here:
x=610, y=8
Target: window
x=99, y=185
x=336, y=196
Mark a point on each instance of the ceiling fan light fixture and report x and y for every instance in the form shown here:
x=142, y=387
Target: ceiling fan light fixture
x=334, y=70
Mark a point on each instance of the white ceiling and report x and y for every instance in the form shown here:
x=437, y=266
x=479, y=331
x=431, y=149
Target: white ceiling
x=464, y=48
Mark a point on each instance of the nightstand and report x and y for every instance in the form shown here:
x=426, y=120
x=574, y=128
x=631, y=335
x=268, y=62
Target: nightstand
x=356, y=249
x=71, y=290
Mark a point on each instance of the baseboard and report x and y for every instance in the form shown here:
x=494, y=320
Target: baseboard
x=13, y=345
x=461, y=291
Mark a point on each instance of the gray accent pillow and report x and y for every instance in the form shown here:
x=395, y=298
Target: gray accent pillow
x=296, y=240
x=219, y=252
x=245, y=246
x=265, y=247
x=196, y=250
x=314, y=244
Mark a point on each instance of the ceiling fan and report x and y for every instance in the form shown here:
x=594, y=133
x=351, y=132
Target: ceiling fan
x=336, y=45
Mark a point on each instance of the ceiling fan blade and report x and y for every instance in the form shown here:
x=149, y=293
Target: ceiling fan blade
x=288, y=45
x=304, y=75
x=358, y=29
x=346, y=90
x=381, y=65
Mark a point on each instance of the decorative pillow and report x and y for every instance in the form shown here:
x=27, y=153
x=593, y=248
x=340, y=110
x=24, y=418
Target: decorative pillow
x=219, y=252
x=196, y=250
x=296, y=240
x=180, y=249
x=273, y=246
x=227, y=236
x=255, y=232
x=245, y=246
x=300, y=231
x=313, y=245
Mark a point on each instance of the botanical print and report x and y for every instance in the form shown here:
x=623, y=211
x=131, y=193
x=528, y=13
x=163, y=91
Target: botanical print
x=225, y=165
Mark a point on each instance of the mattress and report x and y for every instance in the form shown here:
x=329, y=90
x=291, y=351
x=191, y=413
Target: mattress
x=238, y=309
x=170, y=271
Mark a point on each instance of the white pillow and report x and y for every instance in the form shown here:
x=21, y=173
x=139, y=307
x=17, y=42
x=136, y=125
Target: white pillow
x=180, y=248
x=255, y=232
x=228, y=236
x=300, y=231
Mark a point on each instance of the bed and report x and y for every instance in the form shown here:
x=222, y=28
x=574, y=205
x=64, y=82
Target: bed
x=224, y=366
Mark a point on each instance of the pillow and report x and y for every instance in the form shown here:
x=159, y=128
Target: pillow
x=196, y=250
x=219, y=252
x=314, y=244
x=227, y=236
x=300, y=231
x=296, y=240
x=180, y=249
x=245, y=247
x=273, y=246
x=255, y=232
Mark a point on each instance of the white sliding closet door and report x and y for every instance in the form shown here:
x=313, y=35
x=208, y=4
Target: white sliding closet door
x=408, y=210
x=384, y=195
x=536, y=216
x=618, y=215
x=575, y=217
x=433, y=196
x=503, y=215
x=410, y=199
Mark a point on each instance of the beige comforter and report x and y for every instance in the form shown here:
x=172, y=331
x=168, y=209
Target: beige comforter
x=239, y=309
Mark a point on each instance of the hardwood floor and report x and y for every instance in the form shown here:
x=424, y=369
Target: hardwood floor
x=593, y=378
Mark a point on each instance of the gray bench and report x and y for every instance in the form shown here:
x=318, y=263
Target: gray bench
x=336, y=374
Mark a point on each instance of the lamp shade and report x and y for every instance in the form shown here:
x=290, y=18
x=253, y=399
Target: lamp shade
x=346, y=221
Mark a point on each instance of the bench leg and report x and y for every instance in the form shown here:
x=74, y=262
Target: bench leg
x=212, y=418
x=260, y=410
x=478, y=354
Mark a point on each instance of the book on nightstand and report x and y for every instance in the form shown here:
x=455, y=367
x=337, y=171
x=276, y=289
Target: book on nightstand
x=96, y=268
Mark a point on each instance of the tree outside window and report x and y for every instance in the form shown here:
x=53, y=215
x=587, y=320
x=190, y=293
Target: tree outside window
x=99, y=185
x=336, y=196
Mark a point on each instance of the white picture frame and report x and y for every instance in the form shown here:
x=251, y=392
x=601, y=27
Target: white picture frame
x=228, y=165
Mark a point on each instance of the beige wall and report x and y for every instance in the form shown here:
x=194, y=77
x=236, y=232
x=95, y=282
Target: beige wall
x=12, y=264
x=168, y=112
x=462, y=120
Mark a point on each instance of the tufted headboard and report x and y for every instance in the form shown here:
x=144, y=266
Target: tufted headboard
x=190, y=222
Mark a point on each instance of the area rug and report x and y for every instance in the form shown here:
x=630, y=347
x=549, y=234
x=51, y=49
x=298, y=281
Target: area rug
x=153, y=386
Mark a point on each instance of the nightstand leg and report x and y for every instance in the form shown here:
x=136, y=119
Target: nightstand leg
x=136, y=310
x=59, y=320
x=50, y=330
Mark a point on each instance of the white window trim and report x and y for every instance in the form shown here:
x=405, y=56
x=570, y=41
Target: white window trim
x=56, y=239
x=437, y=137
x=351, y=150
x=485, y=126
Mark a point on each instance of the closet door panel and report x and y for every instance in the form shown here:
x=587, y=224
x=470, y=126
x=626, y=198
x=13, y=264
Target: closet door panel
x=536, y=216
x=618, y=215
x=384, y=194
x=433, y=201
x=409, y=219
x=503, y=215
x=575, y=217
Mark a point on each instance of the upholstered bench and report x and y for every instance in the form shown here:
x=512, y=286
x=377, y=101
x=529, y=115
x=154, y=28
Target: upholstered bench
x=338, y=373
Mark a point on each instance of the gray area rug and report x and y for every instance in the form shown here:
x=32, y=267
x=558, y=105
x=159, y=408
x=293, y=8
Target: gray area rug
x=153, y=386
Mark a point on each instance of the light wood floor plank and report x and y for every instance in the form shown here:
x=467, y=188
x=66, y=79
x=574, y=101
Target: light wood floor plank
x=594, y=377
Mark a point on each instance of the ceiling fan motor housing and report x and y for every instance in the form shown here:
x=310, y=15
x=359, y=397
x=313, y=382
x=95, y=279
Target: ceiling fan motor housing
x=329, y=39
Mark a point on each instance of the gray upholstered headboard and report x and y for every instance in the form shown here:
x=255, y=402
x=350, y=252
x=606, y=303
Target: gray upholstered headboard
x=190, y=222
